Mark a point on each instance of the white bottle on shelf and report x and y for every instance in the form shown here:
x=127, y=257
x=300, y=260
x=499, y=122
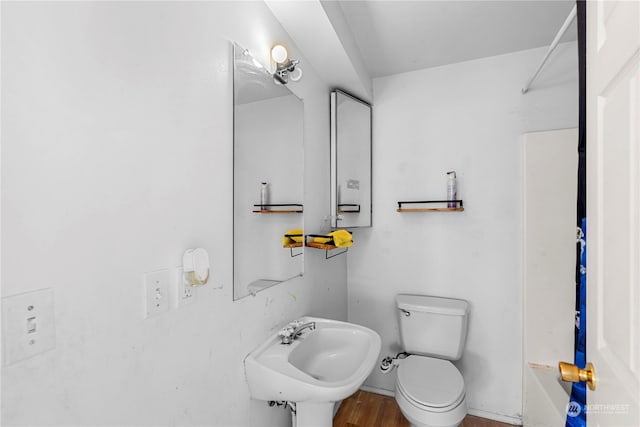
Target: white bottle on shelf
x=452, y=191
x=264, y=196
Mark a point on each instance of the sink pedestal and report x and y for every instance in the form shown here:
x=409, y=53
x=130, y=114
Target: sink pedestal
x=313, y=414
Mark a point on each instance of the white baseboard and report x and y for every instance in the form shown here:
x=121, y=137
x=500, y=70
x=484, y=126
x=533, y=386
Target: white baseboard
x=377, y=390
x=516, y=421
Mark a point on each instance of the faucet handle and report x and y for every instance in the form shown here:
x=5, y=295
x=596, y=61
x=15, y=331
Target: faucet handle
x=286, y=331
x=286, y=334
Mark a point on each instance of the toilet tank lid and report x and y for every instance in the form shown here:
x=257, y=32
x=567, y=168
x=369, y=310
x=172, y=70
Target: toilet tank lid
x=429, y=304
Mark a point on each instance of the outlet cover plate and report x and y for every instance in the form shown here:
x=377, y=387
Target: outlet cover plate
x=156, y=285
x=184, y=292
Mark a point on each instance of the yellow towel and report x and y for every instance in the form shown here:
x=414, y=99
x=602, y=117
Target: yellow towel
x=338, y=238
x=322, y=239
x=293, y=236
x=341, y=238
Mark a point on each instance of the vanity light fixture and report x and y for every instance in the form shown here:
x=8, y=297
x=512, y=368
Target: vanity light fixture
x=286, y=68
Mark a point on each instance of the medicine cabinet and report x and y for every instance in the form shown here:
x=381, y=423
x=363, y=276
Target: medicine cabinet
x=350, y=161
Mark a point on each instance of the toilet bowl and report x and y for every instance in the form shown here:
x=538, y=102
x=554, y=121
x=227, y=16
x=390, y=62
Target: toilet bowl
x=430, y=392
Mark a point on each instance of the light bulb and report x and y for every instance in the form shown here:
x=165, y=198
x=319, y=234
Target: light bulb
x=279, y=54
x=296, y=74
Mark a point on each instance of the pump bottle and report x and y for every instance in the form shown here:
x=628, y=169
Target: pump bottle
x=264, y=196
x=452, y=191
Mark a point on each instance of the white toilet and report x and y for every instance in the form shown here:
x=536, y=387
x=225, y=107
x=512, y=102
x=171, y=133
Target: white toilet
x=429, y=388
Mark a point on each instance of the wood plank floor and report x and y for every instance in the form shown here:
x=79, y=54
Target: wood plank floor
x=365, y=409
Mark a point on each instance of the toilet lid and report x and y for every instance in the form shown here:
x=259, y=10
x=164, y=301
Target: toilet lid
x=430, y=382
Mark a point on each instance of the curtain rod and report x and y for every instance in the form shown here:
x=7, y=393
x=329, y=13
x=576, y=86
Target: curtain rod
x=554, y=43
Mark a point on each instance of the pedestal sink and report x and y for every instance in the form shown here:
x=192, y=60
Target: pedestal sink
x=324, y=364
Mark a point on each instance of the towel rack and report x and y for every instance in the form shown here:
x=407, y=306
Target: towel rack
x=292, y=245
x=326, y=246
x=458, y=208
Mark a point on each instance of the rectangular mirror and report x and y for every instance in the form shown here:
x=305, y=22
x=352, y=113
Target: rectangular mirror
x=350, y=161
x=267, y=148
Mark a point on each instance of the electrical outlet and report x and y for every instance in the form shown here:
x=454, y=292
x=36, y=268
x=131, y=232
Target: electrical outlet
x=156, y=285
x=185, y=293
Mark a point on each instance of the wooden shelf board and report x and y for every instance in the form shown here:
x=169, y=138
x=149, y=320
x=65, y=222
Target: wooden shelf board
x=284, y=211
x=293, y=245
x=318, y=245
x=430, y=210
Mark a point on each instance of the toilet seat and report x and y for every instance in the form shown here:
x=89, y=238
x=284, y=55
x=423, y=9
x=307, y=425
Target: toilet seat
x=434, y=384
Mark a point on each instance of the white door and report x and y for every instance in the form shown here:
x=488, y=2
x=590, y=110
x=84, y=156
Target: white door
x=613, y=211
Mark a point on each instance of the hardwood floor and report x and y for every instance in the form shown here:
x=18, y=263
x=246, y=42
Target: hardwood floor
x=365, y=409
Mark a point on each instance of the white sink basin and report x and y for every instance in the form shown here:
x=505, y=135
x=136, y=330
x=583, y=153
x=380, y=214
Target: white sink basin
x=321, y=366
x=333, y=354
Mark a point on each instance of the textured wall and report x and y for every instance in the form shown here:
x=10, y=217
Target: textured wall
x=116, y=157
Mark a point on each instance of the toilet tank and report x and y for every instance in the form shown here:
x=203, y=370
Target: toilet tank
x=433, y=326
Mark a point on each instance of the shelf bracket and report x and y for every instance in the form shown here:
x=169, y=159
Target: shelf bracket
x=459, y=206
x=326, y=246
x=457, y=202
x=327, y=256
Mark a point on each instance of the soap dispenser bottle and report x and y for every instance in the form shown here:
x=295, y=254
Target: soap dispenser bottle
x=452, y=191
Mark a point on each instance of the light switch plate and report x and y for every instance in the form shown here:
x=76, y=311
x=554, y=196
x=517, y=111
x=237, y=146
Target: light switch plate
x=156, y=285
x=27, y=325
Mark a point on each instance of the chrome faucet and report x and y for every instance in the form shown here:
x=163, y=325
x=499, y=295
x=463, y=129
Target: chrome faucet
x=293, y=330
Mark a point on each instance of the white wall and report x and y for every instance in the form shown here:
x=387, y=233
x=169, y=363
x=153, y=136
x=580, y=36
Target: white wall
x=465, y=117
x=550, y=180
x=116, y=157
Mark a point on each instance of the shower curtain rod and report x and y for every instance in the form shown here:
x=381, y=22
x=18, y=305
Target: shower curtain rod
x=554, y=43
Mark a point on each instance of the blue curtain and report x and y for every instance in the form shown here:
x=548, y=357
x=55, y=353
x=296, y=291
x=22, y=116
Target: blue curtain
x=576, y=413
x=576, y=410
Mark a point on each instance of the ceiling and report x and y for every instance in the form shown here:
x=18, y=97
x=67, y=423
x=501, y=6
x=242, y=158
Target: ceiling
x=351, y=42
x=399, y=36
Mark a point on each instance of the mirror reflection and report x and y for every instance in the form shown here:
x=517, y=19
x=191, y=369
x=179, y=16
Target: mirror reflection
x=267, y=177
x=350, y=161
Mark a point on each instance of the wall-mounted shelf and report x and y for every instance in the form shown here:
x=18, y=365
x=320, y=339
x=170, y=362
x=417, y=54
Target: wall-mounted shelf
x=262, y=284
x=278, y=208
x=348, y=208
x=318, y=245
x=326, y=246
x=292, y=245
x=459, y=206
